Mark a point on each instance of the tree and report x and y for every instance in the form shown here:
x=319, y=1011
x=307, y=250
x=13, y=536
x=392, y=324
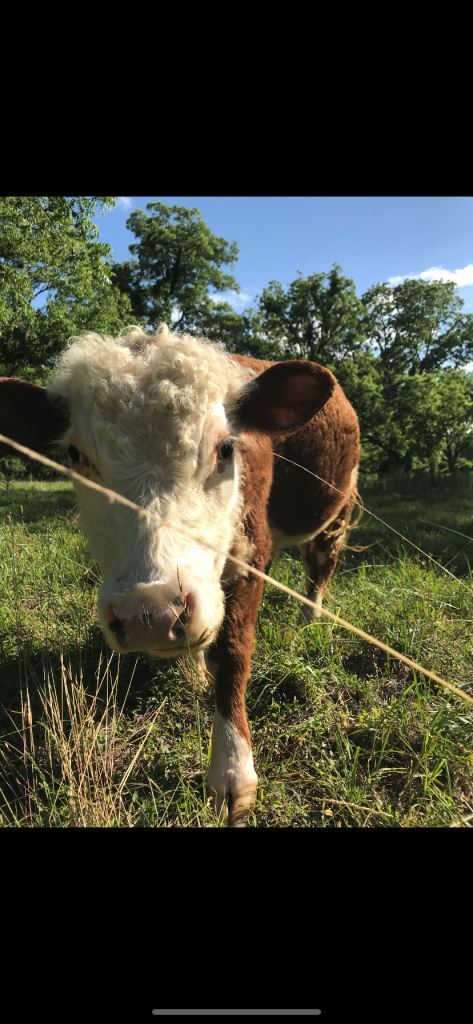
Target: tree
x=437, y=412
x=418, y=326
x=317, y=317
x=55, y=279
x=361, y=379
x=219, y=322
x=177, y=260
x=411, y=422
x=414, y=331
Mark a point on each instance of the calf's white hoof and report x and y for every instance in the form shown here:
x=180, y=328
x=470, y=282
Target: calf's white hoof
x=234, y=808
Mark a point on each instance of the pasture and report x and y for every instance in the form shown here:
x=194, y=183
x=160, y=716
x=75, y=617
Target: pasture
x=343, y=735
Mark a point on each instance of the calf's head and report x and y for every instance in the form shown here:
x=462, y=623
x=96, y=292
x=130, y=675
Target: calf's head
x=162, y=421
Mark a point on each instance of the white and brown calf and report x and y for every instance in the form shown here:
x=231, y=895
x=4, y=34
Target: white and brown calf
x=188, y=432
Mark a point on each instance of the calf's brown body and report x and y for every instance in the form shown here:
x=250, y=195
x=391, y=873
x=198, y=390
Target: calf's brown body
x=329, y=446
x=285, y=506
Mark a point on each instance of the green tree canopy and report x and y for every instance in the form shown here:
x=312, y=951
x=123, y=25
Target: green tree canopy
x=407, y=384
x=317, y=317
x=219, y=322
x=418, y=421
x=398, y=352
x=417, y=326
x=55, y=279
x=436, y=410
x=177, y=260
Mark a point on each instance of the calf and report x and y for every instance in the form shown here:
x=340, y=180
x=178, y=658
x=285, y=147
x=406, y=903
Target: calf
x=189, y=432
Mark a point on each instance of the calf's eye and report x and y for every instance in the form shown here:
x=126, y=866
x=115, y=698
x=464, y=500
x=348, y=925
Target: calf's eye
x=225, y=451
x=73, y=453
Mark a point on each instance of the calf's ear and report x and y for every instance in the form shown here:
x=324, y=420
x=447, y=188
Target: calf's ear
x=30, y=415
x=284, y=397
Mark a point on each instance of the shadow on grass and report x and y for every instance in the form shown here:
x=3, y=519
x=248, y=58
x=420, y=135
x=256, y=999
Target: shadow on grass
x=136, y=675
x=141, y=686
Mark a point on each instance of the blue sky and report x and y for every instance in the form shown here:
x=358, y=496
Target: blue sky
x=373, y=238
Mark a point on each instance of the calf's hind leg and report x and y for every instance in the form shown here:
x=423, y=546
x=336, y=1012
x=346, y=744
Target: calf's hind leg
x=320, y=556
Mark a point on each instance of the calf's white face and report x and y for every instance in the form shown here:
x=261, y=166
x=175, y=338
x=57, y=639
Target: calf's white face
x=149, y=419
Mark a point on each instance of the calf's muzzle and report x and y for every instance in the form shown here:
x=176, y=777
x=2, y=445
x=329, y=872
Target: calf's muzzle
x=153, y=619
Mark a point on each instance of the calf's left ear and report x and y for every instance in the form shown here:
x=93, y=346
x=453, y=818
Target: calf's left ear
x=30, y=415
x=284, y=397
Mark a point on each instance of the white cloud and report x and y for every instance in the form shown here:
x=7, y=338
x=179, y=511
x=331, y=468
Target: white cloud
x=235, y=299
x=461, y=277
x=397, y=280
x=125, y=202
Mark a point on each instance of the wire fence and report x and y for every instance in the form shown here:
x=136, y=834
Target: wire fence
x=114, y=496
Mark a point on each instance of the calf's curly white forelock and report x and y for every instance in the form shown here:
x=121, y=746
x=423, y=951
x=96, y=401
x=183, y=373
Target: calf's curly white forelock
x=124, y=386
x=147, y=415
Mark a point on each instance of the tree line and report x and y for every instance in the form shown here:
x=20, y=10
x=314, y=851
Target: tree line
x=401, y=353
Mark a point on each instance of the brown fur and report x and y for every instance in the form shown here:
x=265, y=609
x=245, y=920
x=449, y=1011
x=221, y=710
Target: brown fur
x=328, y=445
x=321, y=554
x=29, y=415
x=281, y=495
x=233, y=648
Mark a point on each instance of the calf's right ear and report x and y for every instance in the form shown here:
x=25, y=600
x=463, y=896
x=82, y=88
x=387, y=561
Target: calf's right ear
x=285, y=397
x=30, y=415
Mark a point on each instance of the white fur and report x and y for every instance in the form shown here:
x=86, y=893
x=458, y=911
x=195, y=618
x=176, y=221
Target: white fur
x=231, y=769
x=148, y=413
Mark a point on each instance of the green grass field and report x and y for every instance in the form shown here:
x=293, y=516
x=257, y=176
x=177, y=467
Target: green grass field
x=343, y=734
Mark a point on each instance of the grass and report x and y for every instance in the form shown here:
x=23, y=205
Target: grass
x=343, y=734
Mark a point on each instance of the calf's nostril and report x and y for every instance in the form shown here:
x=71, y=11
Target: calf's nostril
x=116, y=626
x=189, y=605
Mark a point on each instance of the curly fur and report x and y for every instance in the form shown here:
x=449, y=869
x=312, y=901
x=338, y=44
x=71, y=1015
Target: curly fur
x=148, y=412
x=125, y=386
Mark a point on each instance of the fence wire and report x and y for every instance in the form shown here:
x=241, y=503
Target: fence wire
x=114, y=496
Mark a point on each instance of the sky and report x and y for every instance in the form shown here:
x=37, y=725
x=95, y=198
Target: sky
x=373, y=238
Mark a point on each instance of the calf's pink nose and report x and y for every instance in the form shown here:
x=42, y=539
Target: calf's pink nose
x=147, y=625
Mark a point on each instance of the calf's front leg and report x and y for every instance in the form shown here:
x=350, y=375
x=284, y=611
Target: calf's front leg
x=231, y=776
